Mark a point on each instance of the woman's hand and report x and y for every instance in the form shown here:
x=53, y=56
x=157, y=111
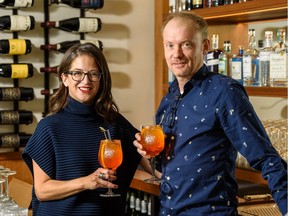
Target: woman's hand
x=100, y=178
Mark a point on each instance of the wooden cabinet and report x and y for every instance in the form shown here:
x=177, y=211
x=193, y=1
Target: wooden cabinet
x=229, y=21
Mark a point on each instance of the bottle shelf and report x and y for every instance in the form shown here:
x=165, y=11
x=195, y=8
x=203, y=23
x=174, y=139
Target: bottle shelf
x=253, y=10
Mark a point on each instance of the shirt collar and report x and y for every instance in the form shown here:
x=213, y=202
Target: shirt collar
x=195, y=80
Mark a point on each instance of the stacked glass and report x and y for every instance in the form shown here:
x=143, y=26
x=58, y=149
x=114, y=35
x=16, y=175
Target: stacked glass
x=8, y=207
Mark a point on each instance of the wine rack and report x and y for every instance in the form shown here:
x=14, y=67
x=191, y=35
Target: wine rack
x=13, y=137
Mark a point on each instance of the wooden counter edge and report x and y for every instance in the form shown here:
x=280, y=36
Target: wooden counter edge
x=139, y=184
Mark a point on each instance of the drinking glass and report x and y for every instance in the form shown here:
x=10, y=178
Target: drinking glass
x=152, y=140
x=7, y=201
x=110, y=156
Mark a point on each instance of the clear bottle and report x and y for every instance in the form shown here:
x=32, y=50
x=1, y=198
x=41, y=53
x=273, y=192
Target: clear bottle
x=84, y=4
x=76, y=24
x=15, y=46
x=212, y=57
x=250, y=61
x=237, y=65
x=16, y=71
x=16, y=3
x=264, y=59
x=16, y=94
x=278, y=61
x=16, y=23
x=65, y=45
x=224, y=57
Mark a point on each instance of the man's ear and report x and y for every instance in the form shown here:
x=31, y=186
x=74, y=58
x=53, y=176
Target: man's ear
x=206, y=46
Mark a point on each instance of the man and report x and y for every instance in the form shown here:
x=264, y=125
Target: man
x=207, y=119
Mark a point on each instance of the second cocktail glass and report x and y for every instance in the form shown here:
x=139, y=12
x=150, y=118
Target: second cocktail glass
x=152, y=140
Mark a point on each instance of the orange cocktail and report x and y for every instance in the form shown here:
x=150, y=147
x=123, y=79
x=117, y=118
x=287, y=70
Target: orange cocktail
x=152, y=139
x=110, y=154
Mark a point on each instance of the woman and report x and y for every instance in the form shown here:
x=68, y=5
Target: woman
x=62, y=154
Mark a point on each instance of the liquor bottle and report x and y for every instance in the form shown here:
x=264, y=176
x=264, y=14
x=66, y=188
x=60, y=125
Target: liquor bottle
x=64, y=46
x=132, y=211
x=237, y=65
x=197, y=4
x=216, y=3
x=84, y=4
x=16, y=3
x=250, y=60
x=11, y=140
x=212, y=58
x=207, y=3
x=76, y=24
x=15, y=117
x=127, y=202
x=16, y=94
x=257, y=78
x=224, y=57
x=278, y=60
x=137, y=206
x=15, y=23
x=143, y=208
x=188, y=5
x=149, y=207
x=15, y=46
x=264, y=59
x=16, y=71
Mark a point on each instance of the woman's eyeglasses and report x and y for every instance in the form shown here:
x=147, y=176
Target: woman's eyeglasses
x=78, y=76
x=171, y=116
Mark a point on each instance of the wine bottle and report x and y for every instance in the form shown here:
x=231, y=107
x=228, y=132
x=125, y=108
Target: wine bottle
x=48, y=91
x=76, y=24
x=16, y=71
x=84, y=4
x=16, y=94
x=11, y=140
x=16, y=23
x=49, y=69
x=15, y=117
x=64, y=46
x=15, y=46
x=16, y=3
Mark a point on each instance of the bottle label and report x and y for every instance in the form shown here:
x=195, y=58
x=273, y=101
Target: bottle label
x=23, y=3
x=247, y=67
x=10, y=141
x=17, y=47
x=19, y=71
x=278, y=65
x=95, y=42
x=236, y=68
x=10, y=94
x=88, y=25
x=19, y=23
x=9, y=117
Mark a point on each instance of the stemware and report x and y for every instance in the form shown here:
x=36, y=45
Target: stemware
x=7, y=200
x=110, y=156
x=152, y=140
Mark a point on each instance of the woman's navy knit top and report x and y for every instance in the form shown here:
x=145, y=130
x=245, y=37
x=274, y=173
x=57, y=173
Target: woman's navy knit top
x=65, y=146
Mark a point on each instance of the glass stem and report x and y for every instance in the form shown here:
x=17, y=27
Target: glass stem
x=6, y=186
x=152, y=163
